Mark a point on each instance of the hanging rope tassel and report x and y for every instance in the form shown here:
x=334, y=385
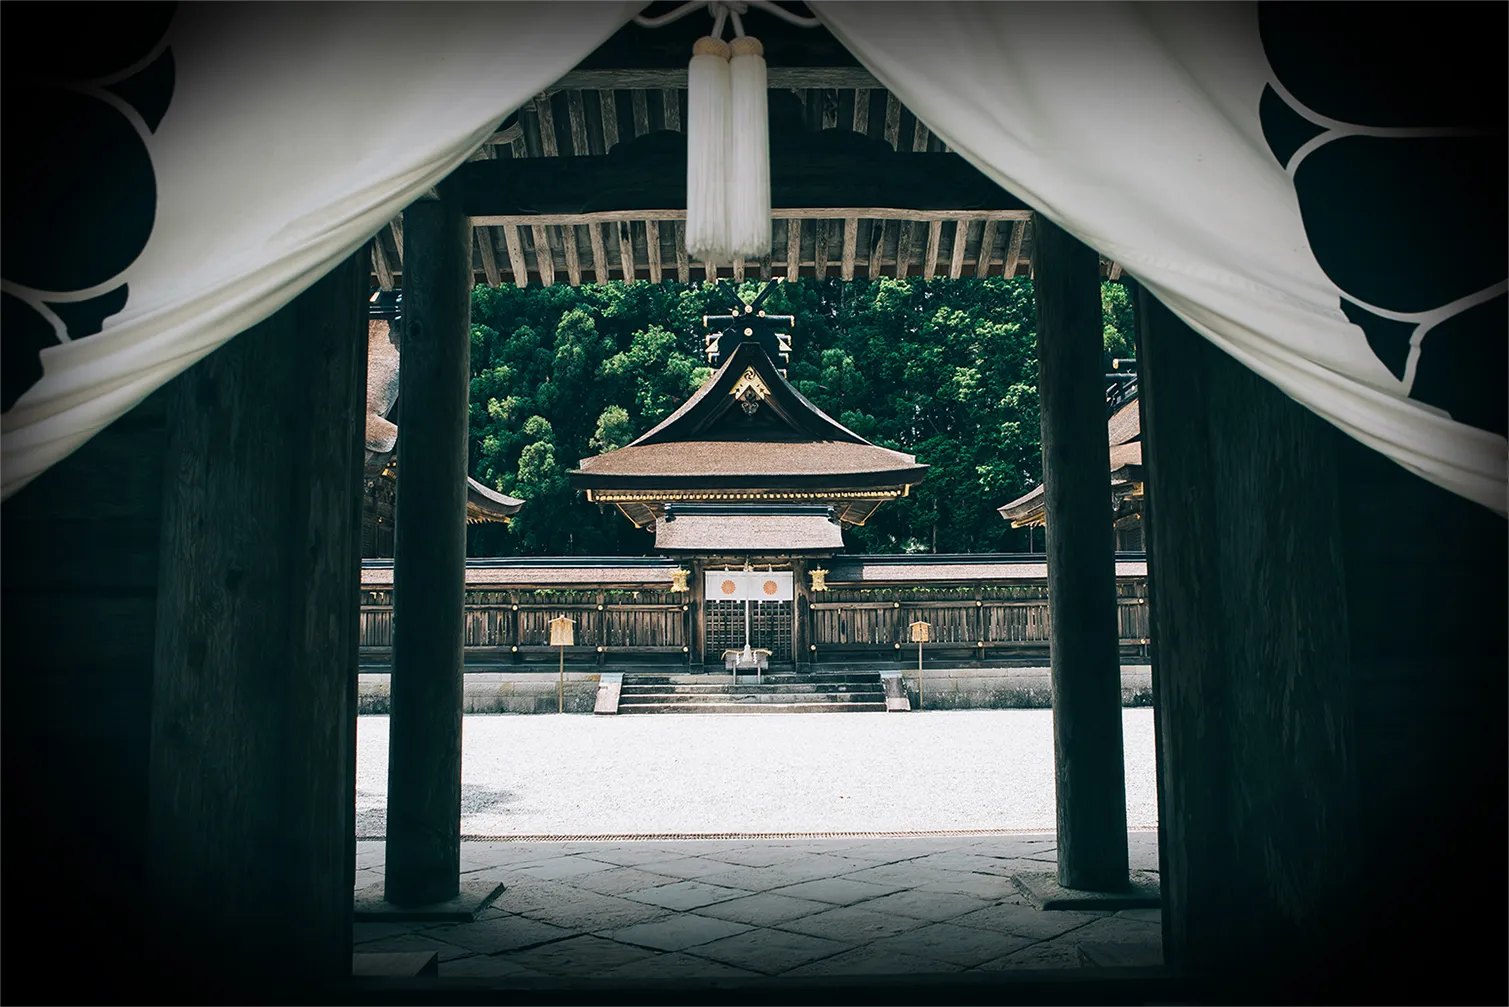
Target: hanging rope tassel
x=749, y=163
x=708, y=149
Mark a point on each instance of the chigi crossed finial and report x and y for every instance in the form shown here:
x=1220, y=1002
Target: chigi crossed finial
x=748, y=323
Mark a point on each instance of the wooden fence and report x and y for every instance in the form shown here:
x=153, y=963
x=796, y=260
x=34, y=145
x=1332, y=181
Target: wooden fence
x=845, y=623
x=514, y=626
x=851, y=622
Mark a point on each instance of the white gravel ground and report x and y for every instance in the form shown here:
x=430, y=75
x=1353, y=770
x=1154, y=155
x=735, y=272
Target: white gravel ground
x=565, y=775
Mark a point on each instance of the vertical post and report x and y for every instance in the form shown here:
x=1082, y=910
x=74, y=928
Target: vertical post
x=919, y=674
x=429, y=560
x=560, y=683
x=251, y=806
x=1087, y=745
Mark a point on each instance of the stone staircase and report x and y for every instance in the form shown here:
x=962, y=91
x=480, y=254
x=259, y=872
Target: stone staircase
x=775, y=693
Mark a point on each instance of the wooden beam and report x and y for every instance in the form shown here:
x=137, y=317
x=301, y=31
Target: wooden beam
x=765, y=266
x=851, y=240
x=1014, y=248
x=862, y=111
x=1084, y=654
x=599, y=252
x=877, y=250
x=904, y=249
x=830, y=109
x=573, y=254
x=578, y=115
x=429, y=572
x=709, y=270
x=670, y=101
x=380, y=264
x=683, y=262
x=920, y=136
x=544, y=258
x=820, y=249
x=652, y=248
x=548, y=143
x=641, y=113
x=892, y=121
x=934, y=238
x=488, y=254
x=396, y=227
x=505, y=137
x=609, y=106
x=987, y=246
x=779, y=213
x=961, y=239
x=246, y=724
x=517, y=264
x=626, y=251
x=793, y=249
x=656, y=78
x=1115, y=273
x=738, y=269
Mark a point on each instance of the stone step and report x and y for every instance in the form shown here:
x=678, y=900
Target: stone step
x=722, y=688
x=715, y=707
x=725, y=678
x=745, y=697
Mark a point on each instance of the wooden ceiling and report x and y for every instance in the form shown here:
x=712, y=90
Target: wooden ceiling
x=613, y=104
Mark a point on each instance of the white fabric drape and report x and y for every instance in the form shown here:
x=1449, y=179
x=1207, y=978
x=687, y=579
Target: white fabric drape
x=1135, y=127
x=295, y=132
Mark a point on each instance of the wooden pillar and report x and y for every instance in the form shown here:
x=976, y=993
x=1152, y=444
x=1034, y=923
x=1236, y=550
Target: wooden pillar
x=1329, y=670
x=800, y=600
x=1091, y=786
x=251, y=808
x=429, y=560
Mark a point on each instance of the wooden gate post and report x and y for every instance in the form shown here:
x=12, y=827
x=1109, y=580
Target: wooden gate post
x=1087, y=746
x=251, y=813
x=429, y=560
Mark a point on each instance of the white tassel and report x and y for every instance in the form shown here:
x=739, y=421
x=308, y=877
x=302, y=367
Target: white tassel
x=749, y=162
x=707, y=151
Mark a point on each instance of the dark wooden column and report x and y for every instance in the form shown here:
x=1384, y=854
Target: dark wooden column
x=252, y=766
x=1091, y=785
x=1329, y=669
x=429, y=559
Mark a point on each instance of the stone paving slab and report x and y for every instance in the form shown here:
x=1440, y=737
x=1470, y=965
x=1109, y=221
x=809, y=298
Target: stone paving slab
x=505, y=933
x=686, y=895
x=764, y=909
x=934, y=907
x=677, y=933
x=852, y=924
x=948, y=942
x=839, y=891
x=803, y=908
x=871, y=961
x=770, y=952
x=584, y=955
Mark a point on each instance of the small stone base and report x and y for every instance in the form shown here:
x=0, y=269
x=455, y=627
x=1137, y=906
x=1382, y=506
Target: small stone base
x=474, y=897
x=1046, y=893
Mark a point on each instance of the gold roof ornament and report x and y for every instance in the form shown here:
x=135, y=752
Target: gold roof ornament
x=750, y=381
x=819, y=579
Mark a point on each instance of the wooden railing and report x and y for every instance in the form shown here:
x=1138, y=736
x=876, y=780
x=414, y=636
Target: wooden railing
x=852, y=621
x=515, y=625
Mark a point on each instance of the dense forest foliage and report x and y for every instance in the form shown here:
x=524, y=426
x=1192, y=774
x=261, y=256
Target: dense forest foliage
x=945, y=370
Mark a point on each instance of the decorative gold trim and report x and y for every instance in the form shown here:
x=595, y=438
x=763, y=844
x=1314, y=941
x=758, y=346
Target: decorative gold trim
x=750, y=379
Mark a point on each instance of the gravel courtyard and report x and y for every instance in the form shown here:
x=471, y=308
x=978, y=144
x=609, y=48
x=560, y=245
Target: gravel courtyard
x=821, y=772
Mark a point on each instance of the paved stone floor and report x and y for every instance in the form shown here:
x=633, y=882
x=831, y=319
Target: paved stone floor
x=800, y=907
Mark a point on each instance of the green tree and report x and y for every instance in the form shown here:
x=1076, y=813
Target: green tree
x=946, y=370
